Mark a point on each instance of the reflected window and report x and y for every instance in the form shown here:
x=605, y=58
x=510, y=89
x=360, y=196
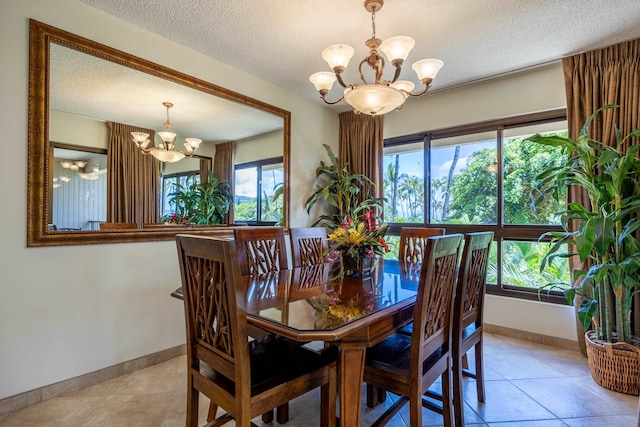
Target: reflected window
x=258, y=191
x=172, y=183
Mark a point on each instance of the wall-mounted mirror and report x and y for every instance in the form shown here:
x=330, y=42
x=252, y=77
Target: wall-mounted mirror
x=78, y=86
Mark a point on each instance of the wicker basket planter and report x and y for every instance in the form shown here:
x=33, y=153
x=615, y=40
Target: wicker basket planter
x=614, y=366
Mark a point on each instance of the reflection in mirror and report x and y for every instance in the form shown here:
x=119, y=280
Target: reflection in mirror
x=77, y=86
x=259, y=179
x=79, y=189
x=177, y=175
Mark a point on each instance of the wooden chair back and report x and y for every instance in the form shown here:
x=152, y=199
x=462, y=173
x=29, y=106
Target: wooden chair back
x=434, y=302
x=118, y=226
x=215, y=317
x=308, y=246
x=407, y=366
x=467, y=321
x=413, y=242
x=472, y=280
x=261, y=249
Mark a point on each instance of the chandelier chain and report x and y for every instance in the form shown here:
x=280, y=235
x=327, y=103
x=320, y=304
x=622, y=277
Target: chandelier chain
x=373, y=23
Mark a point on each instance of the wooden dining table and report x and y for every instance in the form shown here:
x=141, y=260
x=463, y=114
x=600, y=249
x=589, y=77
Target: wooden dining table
x=314, y=306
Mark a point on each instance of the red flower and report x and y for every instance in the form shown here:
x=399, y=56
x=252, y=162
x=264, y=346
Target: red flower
x=370, y=222
x=346, y=222
x=384, y=245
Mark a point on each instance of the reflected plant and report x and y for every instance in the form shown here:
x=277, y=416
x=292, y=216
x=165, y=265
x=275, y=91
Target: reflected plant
x=201, y=202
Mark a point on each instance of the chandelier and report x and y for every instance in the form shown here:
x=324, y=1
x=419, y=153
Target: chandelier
x=381, y=96
x=165, y=152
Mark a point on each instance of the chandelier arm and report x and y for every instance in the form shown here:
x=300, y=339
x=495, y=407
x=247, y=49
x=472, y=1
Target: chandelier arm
x=360, y=71
x=342, y=83
x=397, y=73
x=324, y=98
x=379, y=68
x=427, y=85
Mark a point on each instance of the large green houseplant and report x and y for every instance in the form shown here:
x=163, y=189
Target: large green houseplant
x=605, y=235
x=339, y=191
x=602, y=235
x=201, y=202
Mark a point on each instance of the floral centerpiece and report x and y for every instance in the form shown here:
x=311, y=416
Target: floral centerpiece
x=172, y=219
x=358, y=242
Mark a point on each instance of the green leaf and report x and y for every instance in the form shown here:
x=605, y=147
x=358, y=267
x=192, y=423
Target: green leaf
x=570, y=295
x=586, y=312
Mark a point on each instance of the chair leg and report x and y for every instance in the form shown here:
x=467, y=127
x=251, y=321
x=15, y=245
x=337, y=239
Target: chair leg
x=192, y=406
x=458, y=402
x=375, y=396
x=479, y=372
x=213, y=409
x=415, y=409
x=465, y=361
x=282, y=413
x=328, y=401
x=267, y=417
x=447, y=402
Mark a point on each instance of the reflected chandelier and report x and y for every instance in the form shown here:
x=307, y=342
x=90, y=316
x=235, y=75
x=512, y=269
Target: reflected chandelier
x=382, y=96
x=165, y=152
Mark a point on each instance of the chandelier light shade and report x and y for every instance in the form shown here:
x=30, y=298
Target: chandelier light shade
x=380, y=96
x=166, y=151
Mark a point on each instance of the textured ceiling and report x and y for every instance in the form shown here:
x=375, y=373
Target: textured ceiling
x=282, y=40
x=92, y=87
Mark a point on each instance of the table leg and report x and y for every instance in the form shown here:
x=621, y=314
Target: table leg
x=350, y=370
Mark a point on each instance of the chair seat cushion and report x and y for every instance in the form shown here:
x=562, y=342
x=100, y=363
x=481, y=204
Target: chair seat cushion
x=466, y=333
x=274, y=361
x=393, y=356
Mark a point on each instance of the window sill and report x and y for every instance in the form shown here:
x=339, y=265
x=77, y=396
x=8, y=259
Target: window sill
x=527, y=294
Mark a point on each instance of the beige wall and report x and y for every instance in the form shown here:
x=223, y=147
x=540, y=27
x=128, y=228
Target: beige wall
x=66, y=311
x=77, y=130
x=259, y=147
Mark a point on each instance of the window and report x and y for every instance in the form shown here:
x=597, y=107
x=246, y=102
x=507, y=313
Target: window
x=479, y=177
x=258, y=191
x=171, y=183
x=462, y=179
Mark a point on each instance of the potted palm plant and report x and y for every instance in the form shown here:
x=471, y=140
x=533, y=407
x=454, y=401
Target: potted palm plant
x=604, y=238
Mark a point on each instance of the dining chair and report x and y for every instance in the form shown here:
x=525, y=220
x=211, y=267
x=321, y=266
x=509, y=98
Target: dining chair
x=244, y=378
x=467, y=320
x=308, y=246
x=261, y=249
x=409, y=365
x=412, y=244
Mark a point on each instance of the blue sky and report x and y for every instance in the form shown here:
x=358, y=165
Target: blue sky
x=441, y=159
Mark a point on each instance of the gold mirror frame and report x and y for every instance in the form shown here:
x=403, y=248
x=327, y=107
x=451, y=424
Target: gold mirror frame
x=41, y=36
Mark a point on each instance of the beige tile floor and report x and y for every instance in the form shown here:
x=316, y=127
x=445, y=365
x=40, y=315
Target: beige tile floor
x=528, y=385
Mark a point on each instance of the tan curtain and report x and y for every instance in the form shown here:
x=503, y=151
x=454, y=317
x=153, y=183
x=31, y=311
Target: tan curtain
x=133, y=184
x=223, y=170
x=593, y=79
x=361, y=145
x=205, y=168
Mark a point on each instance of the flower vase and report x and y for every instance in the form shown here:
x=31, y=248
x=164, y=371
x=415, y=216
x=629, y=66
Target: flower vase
x=357, y=267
